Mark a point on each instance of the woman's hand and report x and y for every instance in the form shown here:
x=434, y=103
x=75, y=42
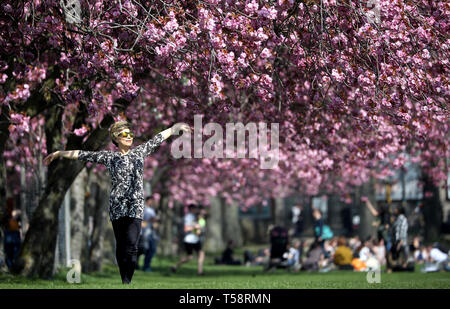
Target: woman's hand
x=180, y=126
x=48, y=159
x=175, y=129
x=198, y=229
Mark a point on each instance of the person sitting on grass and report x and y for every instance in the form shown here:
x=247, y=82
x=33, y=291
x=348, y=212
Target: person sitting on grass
x=315, y=257
x=228, y=255
x=262, y=257
x=437, y=260
x=292, y=256
x=380, y=252
x=343, y=255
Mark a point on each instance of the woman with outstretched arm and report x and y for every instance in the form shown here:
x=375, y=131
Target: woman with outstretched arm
x=126, y=202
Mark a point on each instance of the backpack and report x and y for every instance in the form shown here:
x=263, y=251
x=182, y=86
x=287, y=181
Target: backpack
x=326, y=232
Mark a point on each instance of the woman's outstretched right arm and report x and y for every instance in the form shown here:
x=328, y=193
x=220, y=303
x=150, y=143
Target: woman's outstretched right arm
x=101, y=156
x=68, y=154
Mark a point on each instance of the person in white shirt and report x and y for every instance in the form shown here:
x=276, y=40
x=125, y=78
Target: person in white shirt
x=292, y=256
x=437, y=260
x=297, y=220
x=191, y=240
x=438, y=256
x=368, y=256
x=380, y=252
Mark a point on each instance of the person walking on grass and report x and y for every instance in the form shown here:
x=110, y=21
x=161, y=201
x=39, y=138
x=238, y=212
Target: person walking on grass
x=149, y=234
x=400, y=236
x=192, y=239
x=126, y=202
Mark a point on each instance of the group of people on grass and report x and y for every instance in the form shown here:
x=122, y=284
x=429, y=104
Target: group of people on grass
x=326, y=252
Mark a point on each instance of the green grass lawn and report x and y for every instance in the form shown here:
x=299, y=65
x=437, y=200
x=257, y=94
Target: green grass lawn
x=230, y=277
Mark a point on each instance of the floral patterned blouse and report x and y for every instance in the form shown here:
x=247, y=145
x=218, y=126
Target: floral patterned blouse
x=127, y=188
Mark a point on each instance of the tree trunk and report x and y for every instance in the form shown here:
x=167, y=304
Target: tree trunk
x=37, y=253
x=100, y=220
x=279, y=212
x=77, y=193
x=366, y=227
x=170, y=220
x=214, y=231
x=247, y=230
x=63, y=248
x=33, y=106
x=231, y=226
x=432, y=210
x=334, y=219
x=23, y=199
x=36, y=257
x=4, y=135
x=167, y=216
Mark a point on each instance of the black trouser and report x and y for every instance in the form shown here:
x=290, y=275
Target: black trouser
x=126, y=232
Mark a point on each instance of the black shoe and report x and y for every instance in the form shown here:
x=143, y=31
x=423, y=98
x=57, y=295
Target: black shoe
x=173, y=269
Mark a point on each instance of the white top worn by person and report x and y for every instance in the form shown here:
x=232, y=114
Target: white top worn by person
x=191, y=237
x=295, y=214
x=293, y=255
x=371, y=261
x=380, y=254
x=438, y=256
x=364, y=254
x=149, y=214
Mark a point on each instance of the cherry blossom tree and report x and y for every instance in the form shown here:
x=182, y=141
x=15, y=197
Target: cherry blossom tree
x=350, y=92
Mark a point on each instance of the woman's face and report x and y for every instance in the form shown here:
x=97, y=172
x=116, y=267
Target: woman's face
x=126, y=140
